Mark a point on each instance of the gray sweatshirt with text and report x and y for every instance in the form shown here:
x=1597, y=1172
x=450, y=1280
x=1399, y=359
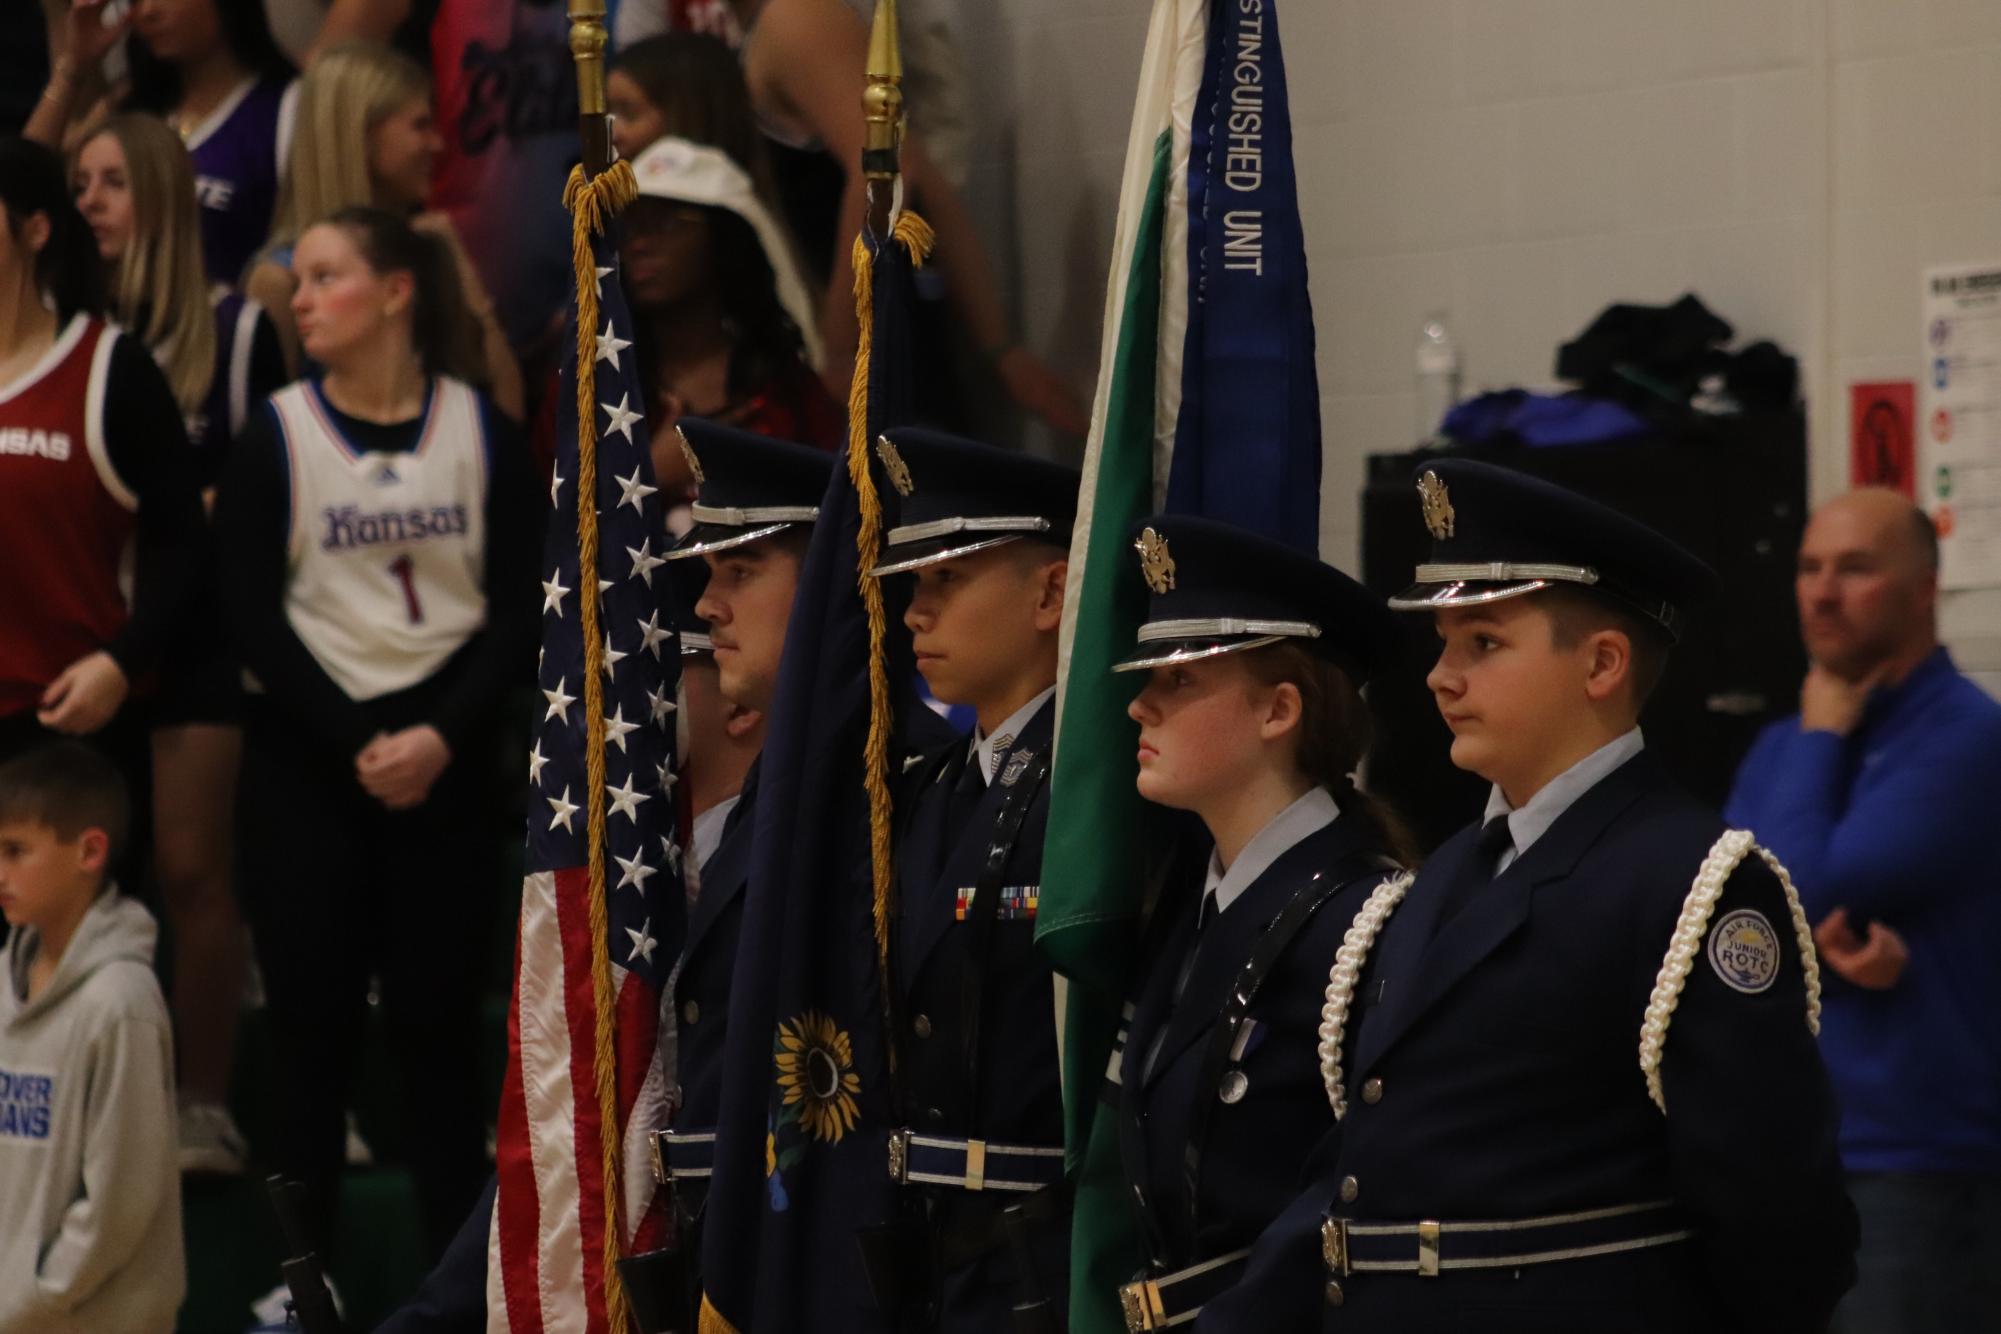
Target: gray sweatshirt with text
x=90, y=1205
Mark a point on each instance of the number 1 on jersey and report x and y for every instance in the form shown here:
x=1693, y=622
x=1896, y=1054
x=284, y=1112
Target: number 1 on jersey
x=405, y=572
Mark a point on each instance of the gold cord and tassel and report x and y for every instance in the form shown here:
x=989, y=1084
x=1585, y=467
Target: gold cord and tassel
x=593, y=202
x=916, y=237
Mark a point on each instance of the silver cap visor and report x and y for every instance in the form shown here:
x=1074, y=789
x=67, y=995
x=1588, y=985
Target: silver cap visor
x=937, y=539
x=1163, y=643
x=1468, y=584
x=741, y=525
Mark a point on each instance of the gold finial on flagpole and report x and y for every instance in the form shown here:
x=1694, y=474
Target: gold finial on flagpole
x=588, y=40
x=882, y=111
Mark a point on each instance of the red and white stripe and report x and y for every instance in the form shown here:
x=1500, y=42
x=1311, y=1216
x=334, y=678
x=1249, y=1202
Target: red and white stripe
x=545, y=1251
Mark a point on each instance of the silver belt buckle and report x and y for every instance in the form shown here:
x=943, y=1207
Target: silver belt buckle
x=655, y=1151
x=899, y=1156
x=1427, y=1248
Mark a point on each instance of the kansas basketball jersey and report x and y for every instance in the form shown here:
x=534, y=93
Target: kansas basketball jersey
x=239, y=155
x=386, y=555
x=66, y=518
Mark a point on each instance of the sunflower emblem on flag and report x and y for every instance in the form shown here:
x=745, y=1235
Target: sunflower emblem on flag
x=816, y=1076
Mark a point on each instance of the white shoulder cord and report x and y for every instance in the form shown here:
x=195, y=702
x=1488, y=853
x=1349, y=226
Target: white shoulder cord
x=1686, y=943
x=1341, y=980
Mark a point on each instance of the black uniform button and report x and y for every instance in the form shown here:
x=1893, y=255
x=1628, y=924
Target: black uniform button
x=691, y=1013
x=1372, y=1091
x=933, y=1117
x=1335, y=1296
x=1350, y=1188
x=921, y=1025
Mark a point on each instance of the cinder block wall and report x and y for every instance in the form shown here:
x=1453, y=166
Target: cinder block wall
x=1523, y=163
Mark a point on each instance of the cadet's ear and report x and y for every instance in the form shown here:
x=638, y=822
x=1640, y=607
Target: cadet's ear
x=1049, y=606
x=1282, y=713
x=1609, y=663
x=739, y=722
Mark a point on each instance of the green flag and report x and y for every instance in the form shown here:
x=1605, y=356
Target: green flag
x=1089, y=916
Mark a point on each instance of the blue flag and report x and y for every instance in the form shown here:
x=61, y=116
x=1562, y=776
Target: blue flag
x=1208, y=347
x=1247, y=441
x=802, y=1147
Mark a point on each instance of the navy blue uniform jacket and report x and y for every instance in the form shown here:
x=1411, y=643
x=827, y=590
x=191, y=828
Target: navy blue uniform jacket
x=715, y=923
x=1020, y=1096
x=702, y=986
x=1507, y=1045
x=1253, y=1149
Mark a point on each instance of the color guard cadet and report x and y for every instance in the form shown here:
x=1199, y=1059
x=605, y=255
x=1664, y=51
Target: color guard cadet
x=756, y=503
x=1579, y=1075
x=986, y=533
x=1252, y=719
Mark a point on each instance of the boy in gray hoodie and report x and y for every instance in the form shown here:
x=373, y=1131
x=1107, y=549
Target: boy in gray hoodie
x=90, y=1209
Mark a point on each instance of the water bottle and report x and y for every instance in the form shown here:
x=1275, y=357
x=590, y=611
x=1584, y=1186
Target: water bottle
x=1437, y=376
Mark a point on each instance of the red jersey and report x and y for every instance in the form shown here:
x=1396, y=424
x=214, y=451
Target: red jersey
x=66, y=518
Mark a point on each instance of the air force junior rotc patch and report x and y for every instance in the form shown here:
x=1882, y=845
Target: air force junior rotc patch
x=1744, y=951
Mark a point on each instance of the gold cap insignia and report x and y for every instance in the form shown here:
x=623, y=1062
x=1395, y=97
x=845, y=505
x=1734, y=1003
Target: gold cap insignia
x=1438, y=516
x=1154, y=562
x=688, y=453
x=893, y=464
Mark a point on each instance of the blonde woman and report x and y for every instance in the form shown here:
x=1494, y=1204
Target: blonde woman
x=364, y=135
x=135, y=186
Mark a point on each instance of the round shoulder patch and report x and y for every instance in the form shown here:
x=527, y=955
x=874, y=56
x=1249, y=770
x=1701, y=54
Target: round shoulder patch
x=1744, y=951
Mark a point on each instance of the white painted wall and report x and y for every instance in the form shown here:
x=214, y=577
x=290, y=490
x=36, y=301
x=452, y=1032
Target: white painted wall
x=1523, y=163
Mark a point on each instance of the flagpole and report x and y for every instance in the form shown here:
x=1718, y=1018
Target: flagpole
x=588, y=40
x=594, y=195
x=883, y=116
x=881, y=165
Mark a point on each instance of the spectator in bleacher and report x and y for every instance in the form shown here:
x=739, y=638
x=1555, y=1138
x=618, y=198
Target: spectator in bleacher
x=803, y=61
x=212, y=71
x=717, y=308
x=135, y=186
x=81, y=33
x=688, y=85
x=365, y=134
x=1879, y=797
x=92, y=1242
x=379, y=531
x=96, y=485
x=507, y=111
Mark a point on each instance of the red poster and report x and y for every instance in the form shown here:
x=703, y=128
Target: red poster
x=1881, y=449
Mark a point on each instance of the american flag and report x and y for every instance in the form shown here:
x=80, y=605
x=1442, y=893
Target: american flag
x=545, y=1261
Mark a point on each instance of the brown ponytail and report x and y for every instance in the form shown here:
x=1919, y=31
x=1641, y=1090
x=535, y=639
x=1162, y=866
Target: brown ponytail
x=1335, y=731
x=441, y=324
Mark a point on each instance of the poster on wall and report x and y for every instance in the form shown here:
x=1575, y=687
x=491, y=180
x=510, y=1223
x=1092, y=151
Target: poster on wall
x=1959, y=421
x=1882, y=450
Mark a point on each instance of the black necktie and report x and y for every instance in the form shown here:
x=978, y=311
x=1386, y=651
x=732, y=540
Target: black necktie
x=1495, y=838
x=1205, y=915
x=966, y=793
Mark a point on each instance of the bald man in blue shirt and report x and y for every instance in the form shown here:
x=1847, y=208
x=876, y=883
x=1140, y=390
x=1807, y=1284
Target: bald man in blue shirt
x=1881, y=795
